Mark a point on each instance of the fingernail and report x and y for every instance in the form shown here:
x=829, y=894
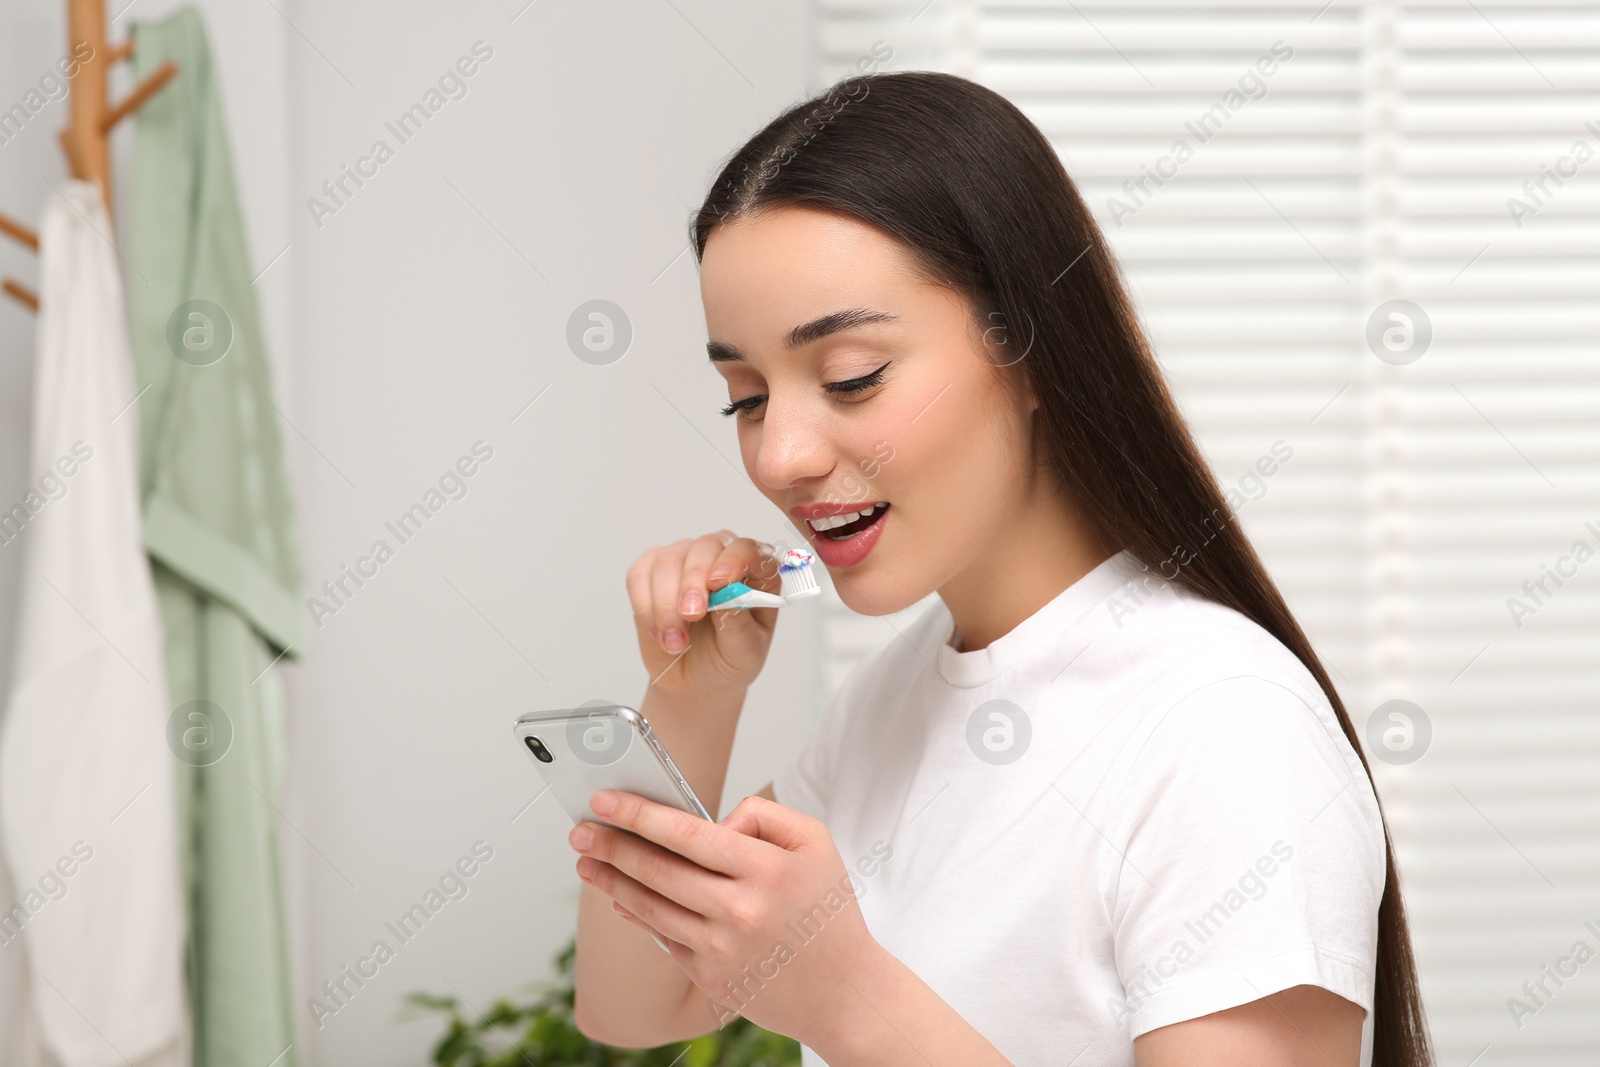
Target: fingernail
x=721, y=573
x=674, y=640
x=586, y=867
x=689, y=603
x=581, y=838
x=603, y=802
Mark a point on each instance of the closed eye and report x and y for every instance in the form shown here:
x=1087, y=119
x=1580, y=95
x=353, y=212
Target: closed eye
x=845, y=388
x=740, y=405
x=855, y=385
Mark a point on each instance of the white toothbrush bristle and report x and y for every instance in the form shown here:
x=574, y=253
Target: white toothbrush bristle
x=799, y=578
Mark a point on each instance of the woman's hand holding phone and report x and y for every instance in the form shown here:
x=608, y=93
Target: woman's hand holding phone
x=670, y=585
x=723, y=895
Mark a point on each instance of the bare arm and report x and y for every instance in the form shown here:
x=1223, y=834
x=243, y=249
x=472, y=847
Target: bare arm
x=1305, y=1026
x=895, y=1018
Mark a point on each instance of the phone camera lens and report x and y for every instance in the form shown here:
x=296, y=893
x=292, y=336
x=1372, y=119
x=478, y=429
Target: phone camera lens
x=536, y=746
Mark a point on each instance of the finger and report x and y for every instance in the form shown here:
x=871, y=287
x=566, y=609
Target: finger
x=730, y=565
x=703, y=552
x=708, y=844
x=743, y=560
x=674, y=877
x=661, y=940
x=635, y=920
x=665, y=578
x=669, y=919
x=631, y=917
x=766, y=820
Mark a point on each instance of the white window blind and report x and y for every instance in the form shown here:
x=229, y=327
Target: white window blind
x=1383, y=159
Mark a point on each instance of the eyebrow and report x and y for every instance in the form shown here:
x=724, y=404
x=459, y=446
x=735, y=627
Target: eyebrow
x=805, y=333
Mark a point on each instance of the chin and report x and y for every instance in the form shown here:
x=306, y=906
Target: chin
x=877, y=593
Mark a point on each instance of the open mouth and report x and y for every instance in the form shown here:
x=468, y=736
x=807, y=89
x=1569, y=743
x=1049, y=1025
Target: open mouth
x=844, y=531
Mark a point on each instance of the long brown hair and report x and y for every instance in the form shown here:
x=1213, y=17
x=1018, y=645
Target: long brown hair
x=973, y=189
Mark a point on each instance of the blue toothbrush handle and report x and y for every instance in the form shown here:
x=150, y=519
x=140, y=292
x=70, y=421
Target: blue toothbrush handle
x=728, y=592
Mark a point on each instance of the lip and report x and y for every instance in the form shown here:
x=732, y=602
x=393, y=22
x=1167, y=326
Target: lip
x=842, y=555
x=802, y=512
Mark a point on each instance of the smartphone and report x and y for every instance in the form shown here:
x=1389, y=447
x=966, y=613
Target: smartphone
x=602, y=746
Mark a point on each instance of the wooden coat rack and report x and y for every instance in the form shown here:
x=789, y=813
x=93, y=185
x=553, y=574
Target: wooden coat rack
x=85, y=141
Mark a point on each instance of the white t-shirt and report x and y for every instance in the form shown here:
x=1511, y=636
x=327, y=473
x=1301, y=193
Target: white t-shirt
x=1135, y=808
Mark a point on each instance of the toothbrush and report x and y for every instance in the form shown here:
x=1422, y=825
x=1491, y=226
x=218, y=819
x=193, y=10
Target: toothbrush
x=799, y=582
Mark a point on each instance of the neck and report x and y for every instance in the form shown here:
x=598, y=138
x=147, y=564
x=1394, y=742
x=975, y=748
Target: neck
x=1043, y=548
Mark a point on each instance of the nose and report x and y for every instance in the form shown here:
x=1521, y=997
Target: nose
x=793, y=447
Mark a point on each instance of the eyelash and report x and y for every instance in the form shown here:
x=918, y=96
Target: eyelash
x=846, y=388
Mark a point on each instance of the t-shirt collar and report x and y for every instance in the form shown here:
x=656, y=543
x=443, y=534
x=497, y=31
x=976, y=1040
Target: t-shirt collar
x=1052, y=622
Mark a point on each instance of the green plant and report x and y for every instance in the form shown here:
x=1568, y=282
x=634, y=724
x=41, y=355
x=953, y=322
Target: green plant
x=540, y=1033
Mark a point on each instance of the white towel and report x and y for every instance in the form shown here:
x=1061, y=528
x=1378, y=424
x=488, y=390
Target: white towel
x=86, y=778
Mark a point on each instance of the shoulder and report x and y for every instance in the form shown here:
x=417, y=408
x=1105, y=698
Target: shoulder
x=1198, y=653
x=1231, y=710
x=1258, y=738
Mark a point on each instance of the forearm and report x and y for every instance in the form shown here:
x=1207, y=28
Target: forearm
x=697, y=731
x=888, y=1016
x=628, y=991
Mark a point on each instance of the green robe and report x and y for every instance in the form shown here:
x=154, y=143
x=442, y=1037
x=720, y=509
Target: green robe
x=220, y=531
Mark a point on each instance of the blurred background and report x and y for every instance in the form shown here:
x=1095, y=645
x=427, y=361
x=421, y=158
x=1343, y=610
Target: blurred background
x=1363, y=236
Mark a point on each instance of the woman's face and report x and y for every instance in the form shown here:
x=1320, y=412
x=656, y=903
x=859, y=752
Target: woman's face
x=799, y=300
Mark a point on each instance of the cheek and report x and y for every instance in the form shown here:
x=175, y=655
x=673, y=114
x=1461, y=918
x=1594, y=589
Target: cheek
x=860, y=482
x=881, y=455
x=966, y=456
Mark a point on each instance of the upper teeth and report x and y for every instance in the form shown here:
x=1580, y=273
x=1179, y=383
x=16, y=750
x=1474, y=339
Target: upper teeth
x=829, y=523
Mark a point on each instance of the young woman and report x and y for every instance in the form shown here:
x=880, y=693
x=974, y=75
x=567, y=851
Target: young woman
x=1101, y=805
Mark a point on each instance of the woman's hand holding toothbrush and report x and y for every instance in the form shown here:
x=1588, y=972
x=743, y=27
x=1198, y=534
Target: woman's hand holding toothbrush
x=670, y=587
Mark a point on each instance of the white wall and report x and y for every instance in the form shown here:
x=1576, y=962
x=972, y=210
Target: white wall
x=417, y=320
